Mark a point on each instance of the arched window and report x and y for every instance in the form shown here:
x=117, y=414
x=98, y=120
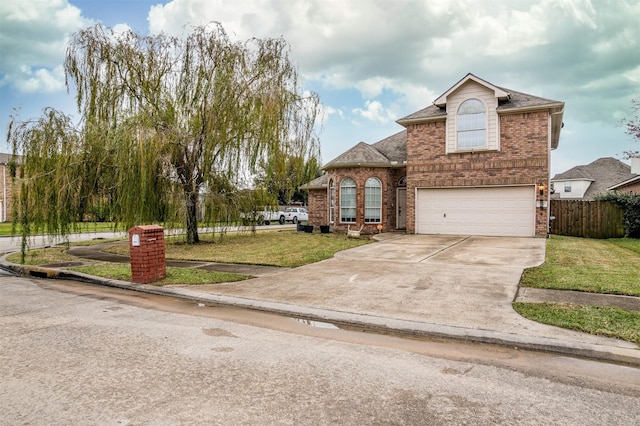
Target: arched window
x=348, y=200
x=332, y=201
x=471, y=124
x=373, y=201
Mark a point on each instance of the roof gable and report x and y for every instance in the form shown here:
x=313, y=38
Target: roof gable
x=499, y=93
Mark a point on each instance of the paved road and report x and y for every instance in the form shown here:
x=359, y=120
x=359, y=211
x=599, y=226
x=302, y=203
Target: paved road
x=73, y=355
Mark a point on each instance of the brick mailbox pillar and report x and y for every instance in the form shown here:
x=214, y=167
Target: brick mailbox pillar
x=146, y=248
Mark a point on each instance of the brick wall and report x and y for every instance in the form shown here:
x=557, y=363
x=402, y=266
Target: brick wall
x=388, y=178
x=522, y=159
x=148, y=262
x=633, y=188
x=318, y=206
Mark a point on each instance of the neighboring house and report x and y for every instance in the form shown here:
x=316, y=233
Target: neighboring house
x=476, y=162
x=631, y=185
x=6, y=188
x=588, y=181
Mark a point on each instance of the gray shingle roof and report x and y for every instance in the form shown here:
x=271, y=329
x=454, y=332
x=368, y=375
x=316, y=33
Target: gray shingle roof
x=394, y=147
x=518, y=100
x=318, y=183
x=603, y=174
x=388, y=152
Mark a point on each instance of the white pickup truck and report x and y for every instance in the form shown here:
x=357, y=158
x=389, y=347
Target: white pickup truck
x=263, y=215
x=268, y=215
x=296, y=214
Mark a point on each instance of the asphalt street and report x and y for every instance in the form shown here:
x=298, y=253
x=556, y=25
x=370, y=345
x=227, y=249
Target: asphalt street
x=80, y=359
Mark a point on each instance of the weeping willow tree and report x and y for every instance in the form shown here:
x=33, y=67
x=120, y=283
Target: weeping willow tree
x=164, y=120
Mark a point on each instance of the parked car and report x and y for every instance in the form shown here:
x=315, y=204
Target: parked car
x=263, y=215
x=296, y=214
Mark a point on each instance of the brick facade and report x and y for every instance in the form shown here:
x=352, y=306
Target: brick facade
x=520, y=131
x=633, y=188
x=523, y=159
x=319, y=198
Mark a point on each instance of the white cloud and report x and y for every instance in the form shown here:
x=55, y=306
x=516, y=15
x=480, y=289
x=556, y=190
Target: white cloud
x=34, y=36
x=40, y=80
x=374, y=111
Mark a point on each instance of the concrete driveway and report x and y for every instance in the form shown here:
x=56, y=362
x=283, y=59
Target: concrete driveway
x=447, y=283
x=467, y=282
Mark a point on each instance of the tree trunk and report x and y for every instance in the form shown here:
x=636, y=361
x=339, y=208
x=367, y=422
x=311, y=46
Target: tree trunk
x=192, y=218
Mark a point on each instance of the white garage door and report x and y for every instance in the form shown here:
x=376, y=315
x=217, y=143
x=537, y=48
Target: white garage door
x=499, y=211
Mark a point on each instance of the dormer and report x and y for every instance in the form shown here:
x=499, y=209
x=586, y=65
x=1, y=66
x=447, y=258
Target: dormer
x=472, y=118
x=472, y=109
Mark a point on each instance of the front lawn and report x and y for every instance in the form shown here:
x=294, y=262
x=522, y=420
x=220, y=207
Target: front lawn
x=589, y=265
x=274, y=248
x=583, y=264
x=279, y=248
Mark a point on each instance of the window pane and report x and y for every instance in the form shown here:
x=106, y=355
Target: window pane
x=471, y=124
x=471, y=106
x=348, y=200
x=373, y=201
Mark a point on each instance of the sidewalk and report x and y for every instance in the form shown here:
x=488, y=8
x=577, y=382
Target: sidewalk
x=408, y=285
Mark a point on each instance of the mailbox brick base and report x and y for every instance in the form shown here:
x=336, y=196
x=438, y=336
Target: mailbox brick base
x=146, y=248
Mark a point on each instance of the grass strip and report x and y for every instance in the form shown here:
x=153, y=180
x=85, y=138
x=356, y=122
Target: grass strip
x=118, y=271
x=598, y=320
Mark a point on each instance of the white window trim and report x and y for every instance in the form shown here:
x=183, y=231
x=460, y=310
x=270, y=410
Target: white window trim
x=332, y=201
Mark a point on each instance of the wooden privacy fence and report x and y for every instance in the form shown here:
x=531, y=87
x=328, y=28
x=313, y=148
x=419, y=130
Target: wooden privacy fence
x=590, y=219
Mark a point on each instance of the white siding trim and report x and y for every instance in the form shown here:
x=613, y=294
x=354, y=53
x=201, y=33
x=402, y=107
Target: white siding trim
x=469, y=90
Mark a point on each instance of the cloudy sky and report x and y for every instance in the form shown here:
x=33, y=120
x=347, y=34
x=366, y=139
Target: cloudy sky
x=373, y=61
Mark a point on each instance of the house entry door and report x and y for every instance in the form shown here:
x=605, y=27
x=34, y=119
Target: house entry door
x=401, y=208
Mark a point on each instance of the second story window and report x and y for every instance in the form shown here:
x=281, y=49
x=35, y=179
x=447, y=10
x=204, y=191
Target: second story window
x=471, y=125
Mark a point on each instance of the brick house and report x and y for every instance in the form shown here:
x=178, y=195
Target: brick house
x=476, y=162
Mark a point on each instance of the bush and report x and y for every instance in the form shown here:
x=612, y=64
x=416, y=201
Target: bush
x=630, y=203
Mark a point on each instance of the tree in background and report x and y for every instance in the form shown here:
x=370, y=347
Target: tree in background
x=275, y=178
x=166, y=123
x=633, y=127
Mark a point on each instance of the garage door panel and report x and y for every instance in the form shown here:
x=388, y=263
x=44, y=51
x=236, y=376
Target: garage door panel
x=508, y=211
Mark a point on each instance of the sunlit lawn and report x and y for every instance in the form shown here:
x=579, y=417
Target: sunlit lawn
x=277, y=248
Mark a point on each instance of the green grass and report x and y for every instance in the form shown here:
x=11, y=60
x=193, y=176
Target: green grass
x=119, y=271
x=279, y=248
x=602, y=321
x=42, y=256
x=276, y=248
x=589, y=265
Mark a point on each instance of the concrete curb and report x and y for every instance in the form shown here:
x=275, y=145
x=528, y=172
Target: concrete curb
x=371, y=323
